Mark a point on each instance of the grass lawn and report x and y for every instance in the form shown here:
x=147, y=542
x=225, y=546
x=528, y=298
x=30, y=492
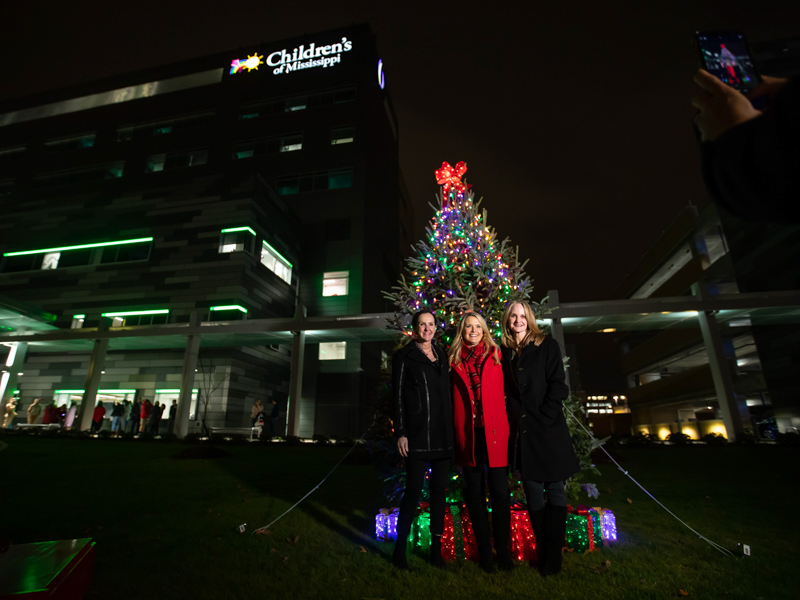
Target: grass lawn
x=167, y=528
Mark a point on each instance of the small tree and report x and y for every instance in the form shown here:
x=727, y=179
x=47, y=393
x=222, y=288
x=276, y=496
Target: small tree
x=210, y=382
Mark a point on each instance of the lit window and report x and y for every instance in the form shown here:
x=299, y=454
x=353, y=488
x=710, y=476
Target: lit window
x=236, y=239
x=335, y=283
x=271, y=259
x=50, y=260
x=343, y=135
x=164, y=162
x=332, y=350
x=286, y=143
x=340, y=178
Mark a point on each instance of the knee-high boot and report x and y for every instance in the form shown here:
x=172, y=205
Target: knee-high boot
x=501, y=527
x=555, y=530
x=537, y=520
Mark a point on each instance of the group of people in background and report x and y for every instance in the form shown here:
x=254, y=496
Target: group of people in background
x=138, y=416
x=492, y=408
x=259, y=417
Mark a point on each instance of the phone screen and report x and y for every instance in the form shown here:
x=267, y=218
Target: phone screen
x=727, y=56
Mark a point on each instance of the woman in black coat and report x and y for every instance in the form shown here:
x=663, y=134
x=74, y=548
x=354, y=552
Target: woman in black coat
x=540, y=446
x=423, y=425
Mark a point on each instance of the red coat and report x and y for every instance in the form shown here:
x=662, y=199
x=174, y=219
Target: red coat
x=494, y=414
x=99, y=413
x=147, y=408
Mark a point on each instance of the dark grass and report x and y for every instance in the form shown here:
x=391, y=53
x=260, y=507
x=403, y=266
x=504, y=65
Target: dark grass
x=166, y=528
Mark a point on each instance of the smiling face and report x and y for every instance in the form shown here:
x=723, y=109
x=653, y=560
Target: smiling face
x=426, y=328
x=517, y=321
x=473, y=332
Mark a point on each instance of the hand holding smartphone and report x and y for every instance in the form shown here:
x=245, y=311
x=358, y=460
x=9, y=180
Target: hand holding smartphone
x=727, y=56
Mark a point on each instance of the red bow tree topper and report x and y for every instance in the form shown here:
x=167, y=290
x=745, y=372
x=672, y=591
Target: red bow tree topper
x=450, y=177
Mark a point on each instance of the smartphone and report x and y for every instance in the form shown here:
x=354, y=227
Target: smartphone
x=727, y=56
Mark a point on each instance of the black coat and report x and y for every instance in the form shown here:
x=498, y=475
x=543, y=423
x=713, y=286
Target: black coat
x=540, y=446
x=423, y=411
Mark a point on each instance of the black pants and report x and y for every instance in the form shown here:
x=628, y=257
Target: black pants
x=135, y=425
x=475, y=484
x=415, y=478
x=534, y=493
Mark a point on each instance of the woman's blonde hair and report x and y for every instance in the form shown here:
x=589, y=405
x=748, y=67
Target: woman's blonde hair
x=534, y=334
x=458, y=341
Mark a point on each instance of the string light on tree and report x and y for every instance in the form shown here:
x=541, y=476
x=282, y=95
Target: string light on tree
x=460, y=265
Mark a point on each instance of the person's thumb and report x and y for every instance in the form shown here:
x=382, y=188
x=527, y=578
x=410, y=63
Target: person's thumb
x=708, y=82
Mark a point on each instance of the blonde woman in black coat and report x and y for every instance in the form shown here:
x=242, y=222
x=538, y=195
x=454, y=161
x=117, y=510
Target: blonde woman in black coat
x=540, y=446
x=423, y=425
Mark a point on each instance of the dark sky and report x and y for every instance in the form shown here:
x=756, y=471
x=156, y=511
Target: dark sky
x=574, y=118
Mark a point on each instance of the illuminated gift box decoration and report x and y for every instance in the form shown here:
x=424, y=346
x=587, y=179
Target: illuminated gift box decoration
x=523, y=543
x=386, y=524
x=583, y=529
x=608, y=525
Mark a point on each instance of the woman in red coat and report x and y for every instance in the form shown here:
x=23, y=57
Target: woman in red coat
x=481, y=435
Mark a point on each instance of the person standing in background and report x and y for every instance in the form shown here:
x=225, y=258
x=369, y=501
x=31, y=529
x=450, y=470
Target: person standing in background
x=126, y=414
x=147, y=408
x=155, y=418
x=97, y=418
x=117, y=413
x=276, y=411
x=73, y=410
x=136, y=412
x=11, y=412
x=34, y=411
x=173, y=413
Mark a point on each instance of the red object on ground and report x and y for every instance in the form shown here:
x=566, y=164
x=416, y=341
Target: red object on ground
x=60, y=570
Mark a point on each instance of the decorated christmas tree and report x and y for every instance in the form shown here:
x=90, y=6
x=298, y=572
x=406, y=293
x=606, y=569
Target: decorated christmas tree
x=460, y=266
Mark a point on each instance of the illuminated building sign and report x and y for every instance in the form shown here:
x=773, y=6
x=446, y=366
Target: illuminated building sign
x=302, y=57
x=250, y=63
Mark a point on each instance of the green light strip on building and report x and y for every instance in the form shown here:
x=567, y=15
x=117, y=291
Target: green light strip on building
x=194, y=391
x=78, y=316
x=229, y=307
x=278, y=254
x=132, y=313
x=233, y=229
x=81, y=247
x=98, y=391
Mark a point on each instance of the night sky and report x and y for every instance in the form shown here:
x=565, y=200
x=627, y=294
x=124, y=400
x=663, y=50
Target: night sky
x=574, y=118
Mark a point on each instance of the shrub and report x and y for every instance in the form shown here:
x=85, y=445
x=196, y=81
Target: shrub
x=678, y=438
x=640, y=439
x=714, y=439
x=320, y=439
x=746, y=438
x=293, y=440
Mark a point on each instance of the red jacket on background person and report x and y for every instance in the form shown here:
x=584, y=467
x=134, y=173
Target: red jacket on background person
x=494, y=413
x=49, y=415
x=99, y=413
x=147, y=408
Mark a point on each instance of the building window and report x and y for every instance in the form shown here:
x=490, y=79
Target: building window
x=295, y=103
x=332, y=350
x=236, y=239
x=335, y=283
x=342, y=135
x=229, y=312
x=77, y=321
x=132, y=318
x=12, y=153
x=285, y=143
x=316, y=181
x=177, y=160
x=271, y=259
x=96, y=173
x=75, y=142
x=156, y=128
x=77, y=256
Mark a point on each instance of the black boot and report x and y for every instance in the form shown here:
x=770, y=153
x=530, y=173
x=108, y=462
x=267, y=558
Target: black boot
x=501, y=526
x=399, y=558
x=537, y=519
x=555, y=531
x=436, y=551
